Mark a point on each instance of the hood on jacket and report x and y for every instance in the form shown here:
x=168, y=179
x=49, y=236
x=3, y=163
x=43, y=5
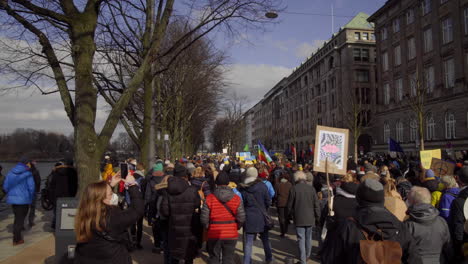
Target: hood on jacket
x=20, y=168
x=248, y=186
x=349, y=187
x=176, y=185
x=454, y=191
x=223, y=193
x=422, y=213
x=378, y=220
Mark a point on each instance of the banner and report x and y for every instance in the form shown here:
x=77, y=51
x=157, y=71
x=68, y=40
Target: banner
x=442, y=168
x=331, y=145
x=427, y=155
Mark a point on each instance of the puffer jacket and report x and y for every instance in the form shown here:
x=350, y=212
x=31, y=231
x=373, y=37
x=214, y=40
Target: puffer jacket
x=181, y=206
x=221, y=223
x=446, y=201
x=430, y=232
x=19, y=185
x=254, y=218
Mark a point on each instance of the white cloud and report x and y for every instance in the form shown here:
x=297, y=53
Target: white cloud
x=305, y=49
x=254, y=80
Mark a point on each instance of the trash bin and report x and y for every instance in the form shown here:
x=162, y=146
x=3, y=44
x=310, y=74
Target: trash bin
x=65, y=239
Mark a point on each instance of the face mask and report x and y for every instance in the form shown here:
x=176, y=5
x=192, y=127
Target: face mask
x=114, y=200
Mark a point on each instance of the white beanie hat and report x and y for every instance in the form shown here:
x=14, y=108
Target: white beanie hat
x=251, y=173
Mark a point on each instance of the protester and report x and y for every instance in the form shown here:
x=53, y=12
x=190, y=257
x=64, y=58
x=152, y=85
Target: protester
x=136, y=229
x=62, y=182
x=222, y=215
x=199, y=181
x=342, y=244
x=181, y=206
x=20, y=188
x=37, y=189
x=393, y=201
x=283, y=187
x=450, y=193
x=263, y=175
x=303, y=205
x=101, y=226
x=256, y=200
x=403, y=187
x=151, y=197
x=457, y=217
x=429, y=230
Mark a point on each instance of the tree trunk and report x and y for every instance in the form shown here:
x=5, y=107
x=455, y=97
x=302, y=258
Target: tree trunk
x=146, y=140
x=421, y=130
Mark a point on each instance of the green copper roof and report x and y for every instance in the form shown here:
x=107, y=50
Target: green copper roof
x=360, y=21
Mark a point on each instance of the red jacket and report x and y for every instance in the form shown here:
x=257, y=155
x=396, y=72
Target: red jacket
x=222, y=224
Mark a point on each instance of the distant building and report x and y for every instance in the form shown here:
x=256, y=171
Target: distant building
x=423, y=42
x=320, y=90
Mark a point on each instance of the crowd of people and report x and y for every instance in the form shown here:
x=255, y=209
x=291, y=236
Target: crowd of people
x=394, y=205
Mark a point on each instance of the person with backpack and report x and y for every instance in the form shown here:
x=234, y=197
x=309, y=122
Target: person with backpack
x=304, y=206
x=457, y=218
x=372, y=227
x=449, y=194
x=222, y=215
x=430, y=231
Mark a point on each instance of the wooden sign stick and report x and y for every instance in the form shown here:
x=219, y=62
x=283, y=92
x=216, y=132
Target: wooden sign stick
x=330, y=192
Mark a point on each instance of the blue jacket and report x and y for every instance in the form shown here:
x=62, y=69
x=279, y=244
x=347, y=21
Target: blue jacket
x=19, y=185
x=269, y=186
x=254, y=219
x=446, y=201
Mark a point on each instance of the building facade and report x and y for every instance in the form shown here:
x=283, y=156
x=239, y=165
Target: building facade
x=321, y=91
x=422, y=49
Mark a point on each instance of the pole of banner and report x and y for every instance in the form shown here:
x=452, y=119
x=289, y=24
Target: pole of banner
x=329, y=190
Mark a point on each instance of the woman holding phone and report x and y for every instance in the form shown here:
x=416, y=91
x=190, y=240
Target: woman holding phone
x=101, y=225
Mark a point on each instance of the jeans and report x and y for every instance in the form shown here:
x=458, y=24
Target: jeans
x=283, y=219
x=32, y=210
x=221, y=251
x=248, y=243
x=20, y=211
x=304, y=242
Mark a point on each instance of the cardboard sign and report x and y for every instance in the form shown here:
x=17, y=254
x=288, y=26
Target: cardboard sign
x=442, y=168
x=427, y=155
x=331, y=150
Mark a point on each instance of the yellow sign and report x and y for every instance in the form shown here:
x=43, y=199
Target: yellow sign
x=427, y=155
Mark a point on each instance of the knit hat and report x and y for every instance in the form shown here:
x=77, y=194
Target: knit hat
x=251, y=173
x=190, y=167
x=430, y=173
x=262, y=175
x=180, y=171
x=370, y=192
x=170, y=166
x=158, y=167
x=222, y=178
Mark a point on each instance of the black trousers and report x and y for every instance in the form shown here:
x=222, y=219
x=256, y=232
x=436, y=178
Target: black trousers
x=283, y=219
x=221, y=251
x=32, y=210
x=20, y=211
x=137, y=229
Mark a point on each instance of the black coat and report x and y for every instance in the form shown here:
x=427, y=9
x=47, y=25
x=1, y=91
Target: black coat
x=63, y=182
x=111, y=249
x=344, y=205
x=342, y=245
x=180, y=206
x=456, y=222
x=37, y=178
x=303, y=204
x=254, y=218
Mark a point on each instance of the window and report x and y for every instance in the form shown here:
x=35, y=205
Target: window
x=361, y=55
x=357, y=35
x=399, y=89
x=386, y=132
x=447, y=30
x=384, y=32
x=386, y=93
x=465, y=20
x=430, y=127
x=365, y=36
x=413, y=130
x=399, y=131
x=385, y=61
x=449, y=73
x=397, y=54
x=365, y=55
x=373, y=36
x=426, y=6
x=450, y=125
x=361, y=75
x=427, y=40
x=357, y=54
x=412, y=82
x=429, y=80
x=411, y=48
x=396, y=25
x=409, y=16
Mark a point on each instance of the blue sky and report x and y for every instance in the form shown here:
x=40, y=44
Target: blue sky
x=257, y=61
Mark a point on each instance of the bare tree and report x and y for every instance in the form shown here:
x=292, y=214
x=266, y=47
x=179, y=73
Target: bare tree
x=234, y=108
x=416, y=101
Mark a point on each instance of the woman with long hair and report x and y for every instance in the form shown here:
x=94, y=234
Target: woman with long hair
x=101, y=225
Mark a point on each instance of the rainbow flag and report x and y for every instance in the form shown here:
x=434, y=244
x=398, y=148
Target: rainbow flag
x=263, y=154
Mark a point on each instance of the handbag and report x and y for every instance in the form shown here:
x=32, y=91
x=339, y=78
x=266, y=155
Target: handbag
x=269, y=222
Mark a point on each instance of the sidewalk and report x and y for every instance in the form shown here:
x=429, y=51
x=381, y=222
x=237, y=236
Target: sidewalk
x=39, y=244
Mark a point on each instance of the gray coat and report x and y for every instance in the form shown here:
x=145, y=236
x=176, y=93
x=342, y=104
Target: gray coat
x=431, y=233
x=303, y=204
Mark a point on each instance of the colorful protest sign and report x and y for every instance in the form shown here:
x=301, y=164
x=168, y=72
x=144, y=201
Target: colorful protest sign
x=442, y=168
x=331, y=145
x=427, y=155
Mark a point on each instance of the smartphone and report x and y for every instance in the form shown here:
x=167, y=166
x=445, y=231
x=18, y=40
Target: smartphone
x=123, y=170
